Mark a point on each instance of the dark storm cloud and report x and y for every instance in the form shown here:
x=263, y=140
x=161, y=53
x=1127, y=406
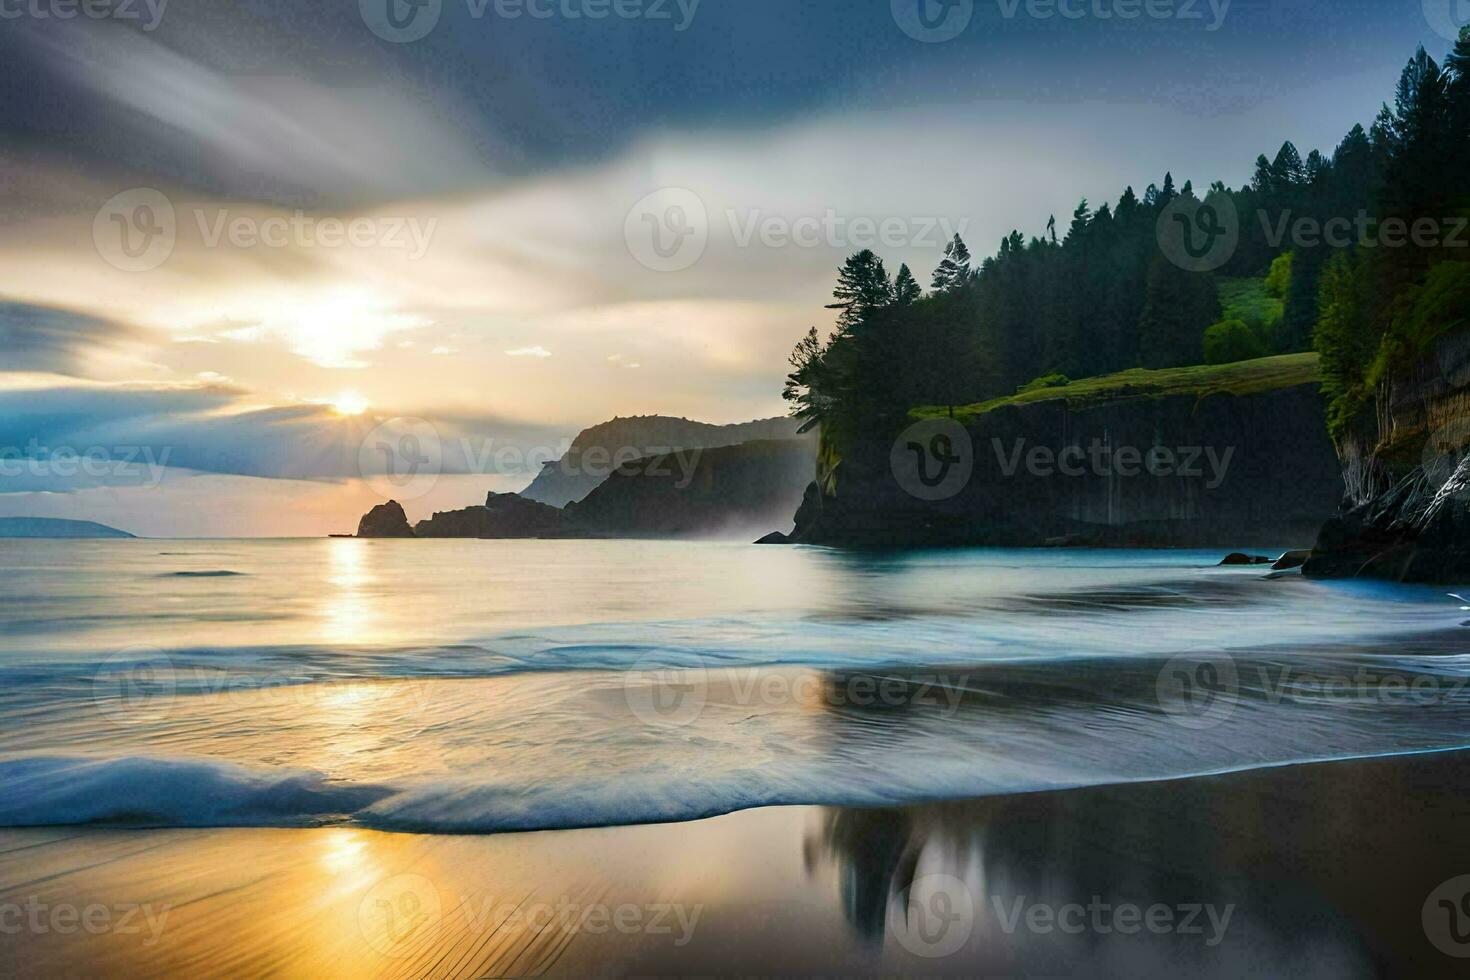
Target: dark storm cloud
x=286, y=101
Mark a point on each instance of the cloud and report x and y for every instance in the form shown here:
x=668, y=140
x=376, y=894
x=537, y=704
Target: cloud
x=537, y=351
x=53, y=340
x=212, y=429
x=270, y=137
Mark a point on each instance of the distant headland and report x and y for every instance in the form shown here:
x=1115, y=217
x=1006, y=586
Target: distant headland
x=51, y=527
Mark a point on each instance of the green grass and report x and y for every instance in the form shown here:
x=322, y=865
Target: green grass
x=1200, y=381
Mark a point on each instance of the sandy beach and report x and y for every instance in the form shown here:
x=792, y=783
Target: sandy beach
x=1326, y=869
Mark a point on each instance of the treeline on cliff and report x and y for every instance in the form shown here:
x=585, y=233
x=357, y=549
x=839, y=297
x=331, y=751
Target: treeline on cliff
x=1102, y=296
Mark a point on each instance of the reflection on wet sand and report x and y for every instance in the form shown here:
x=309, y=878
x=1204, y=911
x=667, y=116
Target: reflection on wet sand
x=1325, y=870
x=1314, y=870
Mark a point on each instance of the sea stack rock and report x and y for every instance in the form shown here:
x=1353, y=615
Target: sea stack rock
x=385, y=521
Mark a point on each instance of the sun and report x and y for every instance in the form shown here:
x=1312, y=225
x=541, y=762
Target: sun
x=349, y=403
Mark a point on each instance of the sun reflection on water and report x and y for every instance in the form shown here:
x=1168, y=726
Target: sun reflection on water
x=347, y=613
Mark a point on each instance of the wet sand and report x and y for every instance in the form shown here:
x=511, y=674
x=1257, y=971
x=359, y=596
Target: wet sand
x=1332, y=869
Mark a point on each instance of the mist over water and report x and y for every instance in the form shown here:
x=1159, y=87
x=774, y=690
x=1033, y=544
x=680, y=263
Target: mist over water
x=473, y=686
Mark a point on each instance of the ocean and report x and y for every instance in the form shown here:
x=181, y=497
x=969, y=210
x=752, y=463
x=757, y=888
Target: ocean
x=484, y=686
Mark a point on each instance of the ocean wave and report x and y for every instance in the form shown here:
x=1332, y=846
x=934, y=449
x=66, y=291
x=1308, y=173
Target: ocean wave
x=155, y=793
x=159, y=792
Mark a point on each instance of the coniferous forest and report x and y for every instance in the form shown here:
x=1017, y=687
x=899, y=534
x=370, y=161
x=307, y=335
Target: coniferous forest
x=1362, y=254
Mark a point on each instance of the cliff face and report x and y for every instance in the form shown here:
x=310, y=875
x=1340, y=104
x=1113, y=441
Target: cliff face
x=729, y=491
x=598, y=451
x=1230, y=457
x=1407, y=512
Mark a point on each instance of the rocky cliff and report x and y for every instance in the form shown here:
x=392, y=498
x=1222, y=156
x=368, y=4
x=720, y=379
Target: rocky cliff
x=505, y=515
x=1406, y=515
x=598, y=451
x=732, y=491
x=1229, y=456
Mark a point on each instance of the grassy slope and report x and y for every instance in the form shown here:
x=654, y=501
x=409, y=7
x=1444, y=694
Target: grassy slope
x=1241, y=378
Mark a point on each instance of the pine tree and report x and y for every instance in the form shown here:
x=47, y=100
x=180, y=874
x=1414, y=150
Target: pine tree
x=1287, y=169
x=905, y=287
x=862, y=287
x=954, y=271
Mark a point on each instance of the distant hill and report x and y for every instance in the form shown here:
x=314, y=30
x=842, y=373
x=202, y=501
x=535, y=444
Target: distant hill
x=597, y=451
x=50, y=527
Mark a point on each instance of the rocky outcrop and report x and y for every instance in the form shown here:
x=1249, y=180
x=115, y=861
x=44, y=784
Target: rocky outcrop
x=505, y=515
x=1407, y=514
x=1241, y=558
x=733, y=491
x=1291, y=560
x=1231, y=457
x=385, y=521
x=600, y=450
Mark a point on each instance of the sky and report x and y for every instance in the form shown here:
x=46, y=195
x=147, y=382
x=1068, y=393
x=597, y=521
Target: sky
x=254, y=253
